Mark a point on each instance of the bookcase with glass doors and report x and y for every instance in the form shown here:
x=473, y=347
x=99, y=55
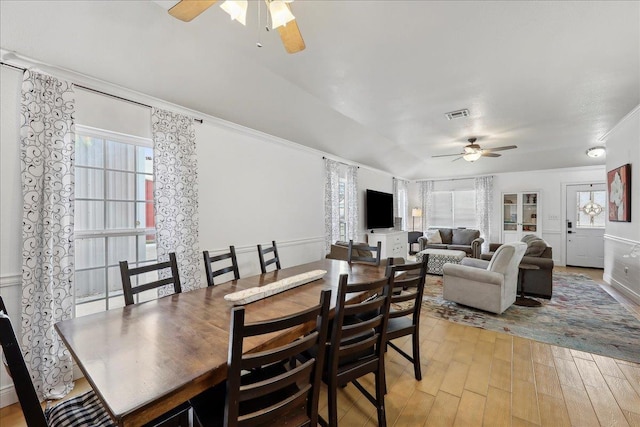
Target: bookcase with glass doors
x=520, y=215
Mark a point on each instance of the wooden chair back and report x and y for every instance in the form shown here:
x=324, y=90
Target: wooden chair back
x=17, y=369
x=209, y=260
x=127, y=273
x=408, y=289
x=352, y=257
x=274, y=260
x=305, y=376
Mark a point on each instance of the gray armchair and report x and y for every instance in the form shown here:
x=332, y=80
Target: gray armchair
x=487, y=285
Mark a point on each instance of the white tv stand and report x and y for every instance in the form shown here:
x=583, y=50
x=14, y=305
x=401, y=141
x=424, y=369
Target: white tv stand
x=394, y=243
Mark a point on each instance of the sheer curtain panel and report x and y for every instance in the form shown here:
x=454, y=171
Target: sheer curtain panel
x=401, y=201
x=331, y=203
x=352, y=203
x=484, y=208
x=426, y=195
x=47, y=148
x=176, y=194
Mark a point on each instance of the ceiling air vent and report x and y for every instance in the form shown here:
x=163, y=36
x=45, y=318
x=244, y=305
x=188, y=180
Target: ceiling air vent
x=458, y=114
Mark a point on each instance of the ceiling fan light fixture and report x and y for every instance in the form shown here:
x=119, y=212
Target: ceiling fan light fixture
x=596, y=151
x=472, y=157
x=237, y=10
x=280, y=13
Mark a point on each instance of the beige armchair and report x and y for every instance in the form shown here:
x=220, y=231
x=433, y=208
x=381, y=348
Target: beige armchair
x=487, y=285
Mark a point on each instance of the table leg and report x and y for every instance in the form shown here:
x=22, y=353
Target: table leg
x=522, y=300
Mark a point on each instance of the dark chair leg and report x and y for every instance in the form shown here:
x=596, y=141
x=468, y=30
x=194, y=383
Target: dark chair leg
x=333, y=403
x=416, y=357
x=380, y=392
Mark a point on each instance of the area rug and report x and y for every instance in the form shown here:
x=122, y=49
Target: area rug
x=581, y=316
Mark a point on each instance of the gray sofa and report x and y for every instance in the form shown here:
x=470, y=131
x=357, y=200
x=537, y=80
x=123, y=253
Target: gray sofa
x=538, y=283
x=458, y=239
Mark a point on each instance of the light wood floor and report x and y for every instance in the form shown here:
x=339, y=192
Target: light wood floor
x=474, y=377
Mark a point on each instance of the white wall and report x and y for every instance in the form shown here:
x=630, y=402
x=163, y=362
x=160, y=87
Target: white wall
x=623, y=146
x=552, y=186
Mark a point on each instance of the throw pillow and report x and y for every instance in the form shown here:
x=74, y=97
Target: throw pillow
x=433, y=237
x=464, y=236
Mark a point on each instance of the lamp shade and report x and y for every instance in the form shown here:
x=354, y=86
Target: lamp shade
x=237, y=10
x=416, y=212
x=280, y=13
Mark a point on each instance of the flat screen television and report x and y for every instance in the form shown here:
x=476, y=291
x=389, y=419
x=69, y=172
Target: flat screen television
x=379, y=209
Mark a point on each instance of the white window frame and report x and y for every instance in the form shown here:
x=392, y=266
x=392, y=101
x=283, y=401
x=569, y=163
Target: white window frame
x=109, y=233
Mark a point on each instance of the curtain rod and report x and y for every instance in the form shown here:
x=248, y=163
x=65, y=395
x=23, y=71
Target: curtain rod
x=452, y=179
x=337, y=161
x=99, y=92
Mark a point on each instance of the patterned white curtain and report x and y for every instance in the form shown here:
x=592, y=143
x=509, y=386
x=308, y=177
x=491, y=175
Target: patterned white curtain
x=352, y=203
x=401, y=201
x=47, y=147
x=484, y=208
x=426, y=196
x=331, y=203
x=176, y=194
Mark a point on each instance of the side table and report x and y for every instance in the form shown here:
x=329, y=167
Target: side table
x=523, y=300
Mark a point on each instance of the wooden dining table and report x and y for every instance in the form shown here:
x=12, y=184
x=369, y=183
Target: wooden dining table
x=144, y=360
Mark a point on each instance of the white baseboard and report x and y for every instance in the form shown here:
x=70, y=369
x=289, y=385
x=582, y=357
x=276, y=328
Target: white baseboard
x=622, y=288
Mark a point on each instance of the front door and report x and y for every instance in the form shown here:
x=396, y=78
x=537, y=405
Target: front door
x=586, y=210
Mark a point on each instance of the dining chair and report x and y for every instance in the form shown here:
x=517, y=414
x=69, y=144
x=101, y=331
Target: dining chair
x=276, y=258
x=368, y=257
x=357, y=348
x=83, y=410
x=209, y=260
x=270, y=387
x=406, y=303
x=126, y=273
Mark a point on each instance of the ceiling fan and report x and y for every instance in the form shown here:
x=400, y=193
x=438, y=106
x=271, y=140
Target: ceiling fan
x=473, y=151
x=280, y=12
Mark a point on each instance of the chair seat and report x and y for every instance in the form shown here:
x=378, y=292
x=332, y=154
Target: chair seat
x=213, y=415
x=399, y=326
x=83, y=410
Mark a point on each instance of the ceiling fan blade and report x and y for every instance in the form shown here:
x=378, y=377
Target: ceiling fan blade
x=456, y=158
x=448, y=155
x=186, y=10
x=490, y=154
x=291, y=37
x=506, y=147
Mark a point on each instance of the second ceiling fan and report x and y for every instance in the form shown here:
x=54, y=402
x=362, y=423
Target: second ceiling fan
x=473, y=151
x=279, y=10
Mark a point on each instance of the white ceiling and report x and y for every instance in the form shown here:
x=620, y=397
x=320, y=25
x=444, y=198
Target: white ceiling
x=376, y=77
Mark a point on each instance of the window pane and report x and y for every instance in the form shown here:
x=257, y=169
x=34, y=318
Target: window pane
x=90, y=285
x=120, y=186
x=442, y=210
x=89, y=151
x=120, y=215
x=147, y=248
x=89, y=215
x=464, y=208
x=145, y=215
x=122, y=248
x=120, y=156
x=115, y=283
x=89, y=183
x=144, y=187
x=89, y=253
x=144, y=159
x=590, y=209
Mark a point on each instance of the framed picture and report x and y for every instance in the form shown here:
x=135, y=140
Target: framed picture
x=619, y=190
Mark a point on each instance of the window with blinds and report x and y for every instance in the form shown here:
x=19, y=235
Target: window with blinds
x=454, y=209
